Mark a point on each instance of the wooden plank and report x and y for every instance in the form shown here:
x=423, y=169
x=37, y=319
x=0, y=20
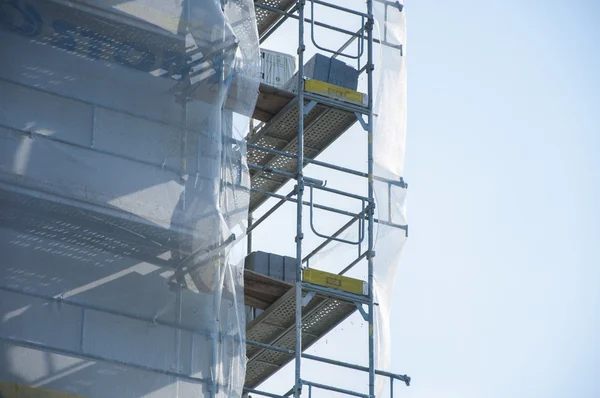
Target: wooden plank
x=261, y=291
x=261, y=115
x=256, y=302
x=251, y=276
x=270, y=102
x=264, y=289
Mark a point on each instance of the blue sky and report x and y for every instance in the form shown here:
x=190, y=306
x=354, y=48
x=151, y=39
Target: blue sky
x=500, y=278
x=497, y=294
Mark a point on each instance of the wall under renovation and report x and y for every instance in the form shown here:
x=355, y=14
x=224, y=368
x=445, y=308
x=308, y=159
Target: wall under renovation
x=124, y=195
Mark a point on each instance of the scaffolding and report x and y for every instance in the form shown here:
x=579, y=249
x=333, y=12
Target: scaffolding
x=296, y=128
x=278, y=152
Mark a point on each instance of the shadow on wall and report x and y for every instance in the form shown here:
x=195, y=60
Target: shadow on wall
x=78, y=287
x=97, y=128
x=97, y=97
x=66, y=296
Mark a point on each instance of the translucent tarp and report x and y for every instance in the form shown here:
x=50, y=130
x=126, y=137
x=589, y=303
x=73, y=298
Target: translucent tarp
x=389, y=143
x=124, y=193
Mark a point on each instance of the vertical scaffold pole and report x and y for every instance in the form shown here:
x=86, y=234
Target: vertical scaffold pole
x=299, y=192
x=371, y=211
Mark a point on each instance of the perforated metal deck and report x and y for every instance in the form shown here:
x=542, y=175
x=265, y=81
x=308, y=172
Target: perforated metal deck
x=266, y=19
x=275, y=327
x=323, y=125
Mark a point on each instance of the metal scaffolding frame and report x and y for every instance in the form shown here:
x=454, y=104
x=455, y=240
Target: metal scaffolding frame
x=303, y=291
x=272, y=14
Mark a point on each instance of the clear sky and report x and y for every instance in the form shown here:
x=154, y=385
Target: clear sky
x=498, y=290
x=500, y=280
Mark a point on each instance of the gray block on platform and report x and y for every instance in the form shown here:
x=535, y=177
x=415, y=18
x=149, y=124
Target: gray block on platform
x=273, y=265
x=342, y=75
x=318, y=67
x=329, y=70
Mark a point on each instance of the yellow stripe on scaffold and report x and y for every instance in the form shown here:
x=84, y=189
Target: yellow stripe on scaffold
x=335, y=92
x=334, y=281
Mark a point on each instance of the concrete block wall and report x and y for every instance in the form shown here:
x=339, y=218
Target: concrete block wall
x=109, y=137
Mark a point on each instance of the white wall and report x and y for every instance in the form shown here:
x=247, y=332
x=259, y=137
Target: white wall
x=108, y=139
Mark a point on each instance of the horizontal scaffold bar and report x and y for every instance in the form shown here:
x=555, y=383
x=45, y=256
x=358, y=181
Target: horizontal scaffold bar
x=327, y=208
x=321, y=24
x=403, y=378
x=399, y=183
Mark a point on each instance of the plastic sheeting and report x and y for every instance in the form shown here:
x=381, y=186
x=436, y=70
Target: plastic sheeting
x=124, y=193
x=388, y=149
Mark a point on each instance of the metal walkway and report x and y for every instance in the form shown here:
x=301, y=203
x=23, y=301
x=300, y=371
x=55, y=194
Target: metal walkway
x=276, y=326
x=296, y=129
x=267, y=21
x=325, y=120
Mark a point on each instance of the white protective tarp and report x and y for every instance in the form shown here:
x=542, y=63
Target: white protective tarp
x=123, y=194
x=388, y=149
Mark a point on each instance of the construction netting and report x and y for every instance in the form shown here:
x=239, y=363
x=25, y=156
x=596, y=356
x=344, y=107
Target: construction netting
x=124, y=194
